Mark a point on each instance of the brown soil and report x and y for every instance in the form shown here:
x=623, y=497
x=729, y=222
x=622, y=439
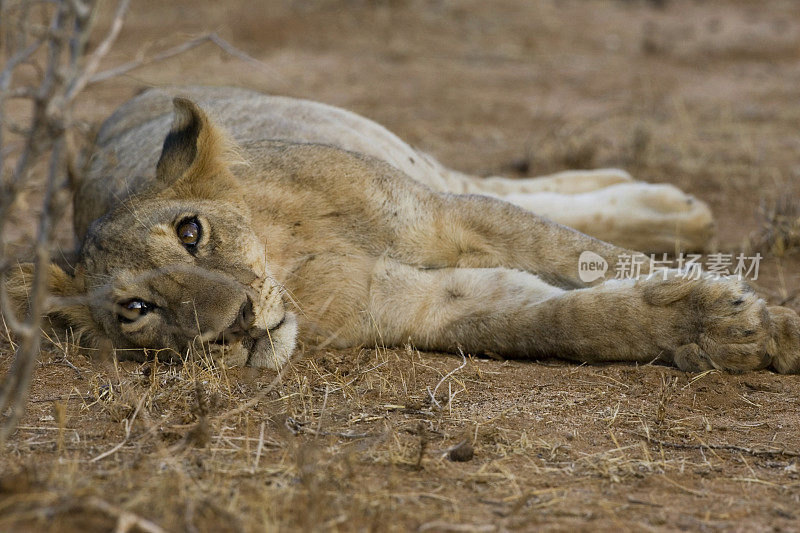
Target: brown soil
x=705, y=95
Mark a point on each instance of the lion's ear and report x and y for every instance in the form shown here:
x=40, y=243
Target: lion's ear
x=196, y=156
x=66, y=308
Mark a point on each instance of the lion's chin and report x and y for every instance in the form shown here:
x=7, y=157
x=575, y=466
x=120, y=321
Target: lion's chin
x=235, y=354
x=274, y=349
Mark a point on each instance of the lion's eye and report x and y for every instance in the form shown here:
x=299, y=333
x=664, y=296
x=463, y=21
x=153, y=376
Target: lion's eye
x=133, y=309
x=189, y=232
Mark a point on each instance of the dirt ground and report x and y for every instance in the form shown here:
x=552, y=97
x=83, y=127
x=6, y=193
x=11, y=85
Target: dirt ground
x=705, y=95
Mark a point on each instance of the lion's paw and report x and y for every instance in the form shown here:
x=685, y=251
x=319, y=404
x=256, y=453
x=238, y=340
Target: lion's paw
x=784, y=344
x=719, y=322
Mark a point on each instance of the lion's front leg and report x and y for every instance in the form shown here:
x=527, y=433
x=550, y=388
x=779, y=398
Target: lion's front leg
x=728, y=327
x=695, y=324
x=784, y=344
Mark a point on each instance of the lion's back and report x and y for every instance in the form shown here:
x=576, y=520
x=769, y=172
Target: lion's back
x=129, y=142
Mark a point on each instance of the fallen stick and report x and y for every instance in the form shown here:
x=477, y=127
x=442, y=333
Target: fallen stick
x=758, y=452
x=126, y=520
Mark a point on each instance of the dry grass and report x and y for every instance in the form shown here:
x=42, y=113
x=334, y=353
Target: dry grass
x=779, y=233
x=353, y=440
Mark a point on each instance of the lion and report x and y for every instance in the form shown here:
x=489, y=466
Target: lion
x=235, y=224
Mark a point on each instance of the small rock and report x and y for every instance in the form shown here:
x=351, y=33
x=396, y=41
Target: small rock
x=763, y=386
x=461, y=452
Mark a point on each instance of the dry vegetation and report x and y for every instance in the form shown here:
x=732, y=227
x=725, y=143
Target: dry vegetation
x=701, y=94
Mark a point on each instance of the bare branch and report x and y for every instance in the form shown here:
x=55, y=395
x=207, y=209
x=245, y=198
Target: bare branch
x=179, y=49
x=19, y=58
x=19, y=92
x=126, y=520
x=757, y=452
x=63, y=73
x=100, y=52
x=10, y=315
x=55, y=46
x=28, y=349
x=5, y=81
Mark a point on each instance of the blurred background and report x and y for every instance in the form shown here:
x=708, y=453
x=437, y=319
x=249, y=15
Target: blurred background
x=701, y=94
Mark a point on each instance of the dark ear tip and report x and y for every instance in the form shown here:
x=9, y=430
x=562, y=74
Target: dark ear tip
x=182, y=103
x=180, y=144
x=186, y=113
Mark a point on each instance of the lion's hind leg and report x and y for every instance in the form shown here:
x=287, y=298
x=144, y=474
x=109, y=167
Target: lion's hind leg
x=639, y=216
x=565, y=182
x=607, y=204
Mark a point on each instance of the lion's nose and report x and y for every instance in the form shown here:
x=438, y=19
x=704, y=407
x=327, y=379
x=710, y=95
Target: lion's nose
x=240, y=325
x=246, y=316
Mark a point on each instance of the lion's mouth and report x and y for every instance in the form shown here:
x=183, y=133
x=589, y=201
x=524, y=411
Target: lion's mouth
x=244, y=342
x=231, y=335
x=237, y=333
x=280, y=323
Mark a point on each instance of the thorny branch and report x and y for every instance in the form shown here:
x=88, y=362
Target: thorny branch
x=55, y=53
x=47, y=131
x=54, y=50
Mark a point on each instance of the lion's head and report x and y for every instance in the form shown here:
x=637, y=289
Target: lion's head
x=176, y=267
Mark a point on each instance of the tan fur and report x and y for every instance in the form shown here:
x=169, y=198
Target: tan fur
x=336, y=231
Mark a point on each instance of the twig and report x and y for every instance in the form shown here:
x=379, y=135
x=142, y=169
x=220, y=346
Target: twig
x=86, y=398
x=80, y=82
x=758, y=452
x=126, y=520
x=441, y=525
x=179, y=49
x=433, y=394
x=12, y=321
x=296, y=427
x=791, y=296
x=259, y=447
x=19, y=58
x=128, y=427
x=62, y=360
